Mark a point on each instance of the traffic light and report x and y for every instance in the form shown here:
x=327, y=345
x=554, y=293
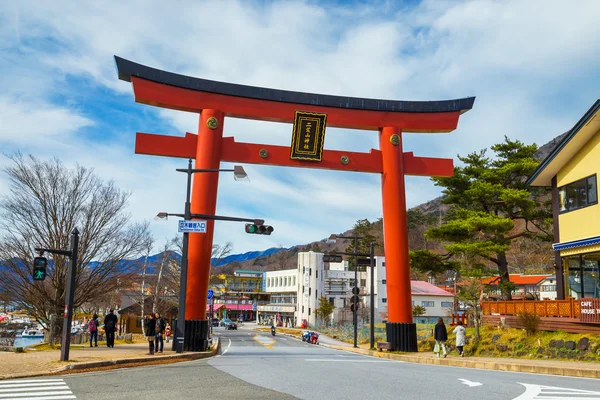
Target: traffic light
x=259, y=229
x=332, y=258
x=39, y=268
x=354, y=300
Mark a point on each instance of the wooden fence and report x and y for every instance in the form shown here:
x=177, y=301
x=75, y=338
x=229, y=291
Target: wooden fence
x=543, y=308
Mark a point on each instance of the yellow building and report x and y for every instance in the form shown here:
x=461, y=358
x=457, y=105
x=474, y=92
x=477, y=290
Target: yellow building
x=572, y=169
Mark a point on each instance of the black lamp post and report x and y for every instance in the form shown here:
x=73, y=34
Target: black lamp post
x=70, y=292
x=239, y=173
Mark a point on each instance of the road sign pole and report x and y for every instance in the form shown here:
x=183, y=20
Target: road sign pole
x=372, y=250
x=180, y=327
x=356, y=286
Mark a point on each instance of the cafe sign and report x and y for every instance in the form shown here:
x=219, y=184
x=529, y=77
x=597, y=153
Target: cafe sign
x=589, y=310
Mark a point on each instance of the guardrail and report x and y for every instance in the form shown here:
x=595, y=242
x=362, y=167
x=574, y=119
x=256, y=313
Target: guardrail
x=543, y=308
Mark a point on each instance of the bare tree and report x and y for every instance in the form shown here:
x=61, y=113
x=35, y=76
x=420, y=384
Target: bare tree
x=45, y=202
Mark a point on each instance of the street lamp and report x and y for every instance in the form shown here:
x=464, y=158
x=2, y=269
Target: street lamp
x=238, y=173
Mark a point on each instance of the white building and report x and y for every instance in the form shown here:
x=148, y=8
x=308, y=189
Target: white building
x=295, y=293
x=547, y=287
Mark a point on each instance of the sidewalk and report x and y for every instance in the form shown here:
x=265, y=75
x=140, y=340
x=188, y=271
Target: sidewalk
x=549, y=367
x=36, y=363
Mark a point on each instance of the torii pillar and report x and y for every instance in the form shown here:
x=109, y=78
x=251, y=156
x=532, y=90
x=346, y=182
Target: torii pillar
x=216, y=100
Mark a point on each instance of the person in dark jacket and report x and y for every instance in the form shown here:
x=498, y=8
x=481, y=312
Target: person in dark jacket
x=110, y=326
x=441, y=336
x=160, y=333
x=150, y=331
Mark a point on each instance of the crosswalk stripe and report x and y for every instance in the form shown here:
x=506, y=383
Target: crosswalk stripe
x=19, y=395
x=35, y=389
x=539, y=392
x=31, y=381
x=15, y=385
x=21, y=389
x=48, y=397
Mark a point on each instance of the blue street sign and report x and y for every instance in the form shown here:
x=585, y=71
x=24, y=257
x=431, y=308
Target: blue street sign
x=192, y=226
x=254, y=306
x=211, y=293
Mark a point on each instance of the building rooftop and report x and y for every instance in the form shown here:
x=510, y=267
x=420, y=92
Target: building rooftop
x=427, y=289
x=516, y=279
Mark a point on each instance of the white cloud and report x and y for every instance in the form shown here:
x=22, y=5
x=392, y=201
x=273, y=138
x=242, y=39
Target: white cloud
x=520, y=58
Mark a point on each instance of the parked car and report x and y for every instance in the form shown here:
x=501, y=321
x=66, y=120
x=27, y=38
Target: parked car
x=215, y=322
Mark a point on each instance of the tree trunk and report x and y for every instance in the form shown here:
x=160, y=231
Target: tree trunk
x=158, y=278
x=504, y=276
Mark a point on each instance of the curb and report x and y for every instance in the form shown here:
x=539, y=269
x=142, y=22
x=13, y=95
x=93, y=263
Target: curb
x=130, y=362
x=489, y=365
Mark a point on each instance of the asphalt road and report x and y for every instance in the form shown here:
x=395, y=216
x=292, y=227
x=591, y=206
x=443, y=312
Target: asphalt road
x=257, y=366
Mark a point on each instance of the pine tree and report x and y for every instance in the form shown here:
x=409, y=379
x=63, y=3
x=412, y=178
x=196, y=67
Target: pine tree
x=491, y=205
x=362, y=228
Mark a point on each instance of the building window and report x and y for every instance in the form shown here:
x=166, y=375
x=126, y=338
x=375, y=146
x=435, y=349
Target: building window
x=363, y=282
x=331, y=300
x=294, y=281
x=317, y=274
x=302, y=309
x=383, y=264
x=310, y=272
x=309, y=291
x=384, y=300
x=549, y=288
x=427, y=304
x=578, y=194
x=316, y=294
x=383, y=281
x=308, y=310
x=447, y=304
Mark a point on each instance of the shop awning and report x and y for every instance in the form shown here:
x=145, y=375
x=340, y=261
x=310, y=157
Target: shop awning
x=215, y=307
x=576, y=243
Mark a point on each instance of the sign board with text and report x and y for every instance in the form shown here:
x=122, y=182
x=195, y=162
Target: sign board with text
x=589, y=310
x=192, y=226
x=308, y=136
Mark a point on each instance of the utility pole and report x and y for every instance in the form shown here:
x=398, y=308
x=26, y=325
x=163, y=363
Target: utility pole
x=372, y=261
x=356, y=288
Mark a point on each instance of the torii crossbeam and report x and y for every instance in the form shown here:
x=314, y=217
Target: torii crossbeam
x=216, y=100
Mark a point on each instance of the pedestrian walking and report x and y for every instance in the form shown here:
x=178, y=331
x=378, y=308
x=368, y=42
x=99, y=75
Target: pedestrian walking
x=93, y=330
x=441, y=336
x=150, y=331
x=461, y=338
x=168, y=332
x=160, y=331
x=110, y=326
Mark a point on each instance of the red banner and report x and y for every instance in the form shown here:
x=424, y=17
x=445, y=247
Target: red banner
x=589, y=310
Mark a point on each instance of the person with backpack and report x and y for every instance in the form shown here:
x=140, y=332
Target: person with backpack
x=93, y=329
x=110, y=326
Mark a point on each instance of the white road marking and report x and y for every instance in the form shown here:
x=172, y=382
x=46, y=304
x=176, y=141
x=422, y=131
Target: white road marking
x=346, y=360
x=35, y=389
x=228, y=346
x=534, y=392
x=471, y=384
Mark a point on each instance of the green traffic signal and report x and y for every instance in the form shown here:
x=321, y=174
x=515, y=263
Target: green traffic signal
x=39, y=268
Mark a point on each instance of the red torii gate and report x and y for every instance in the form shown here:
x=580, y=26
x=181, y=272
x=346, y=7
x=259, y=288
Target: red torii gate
x=216, y=100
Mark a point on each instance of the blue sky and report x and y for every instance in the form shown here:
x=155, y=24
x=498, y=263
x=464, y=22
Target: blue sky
x=531, y=64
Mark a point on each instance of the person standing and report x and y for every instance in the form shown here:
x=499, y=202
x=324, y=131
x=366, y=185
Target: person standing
x=461, y=338
x=110, y=326
x=150, y=331
x=168, y=332
x=441, y=336
x=93, y=330
x=160, y=331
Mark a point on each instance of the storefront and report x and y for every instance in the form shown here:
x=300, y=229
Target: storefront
x=571, y=169
x=281, y=315
x=582, y=274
